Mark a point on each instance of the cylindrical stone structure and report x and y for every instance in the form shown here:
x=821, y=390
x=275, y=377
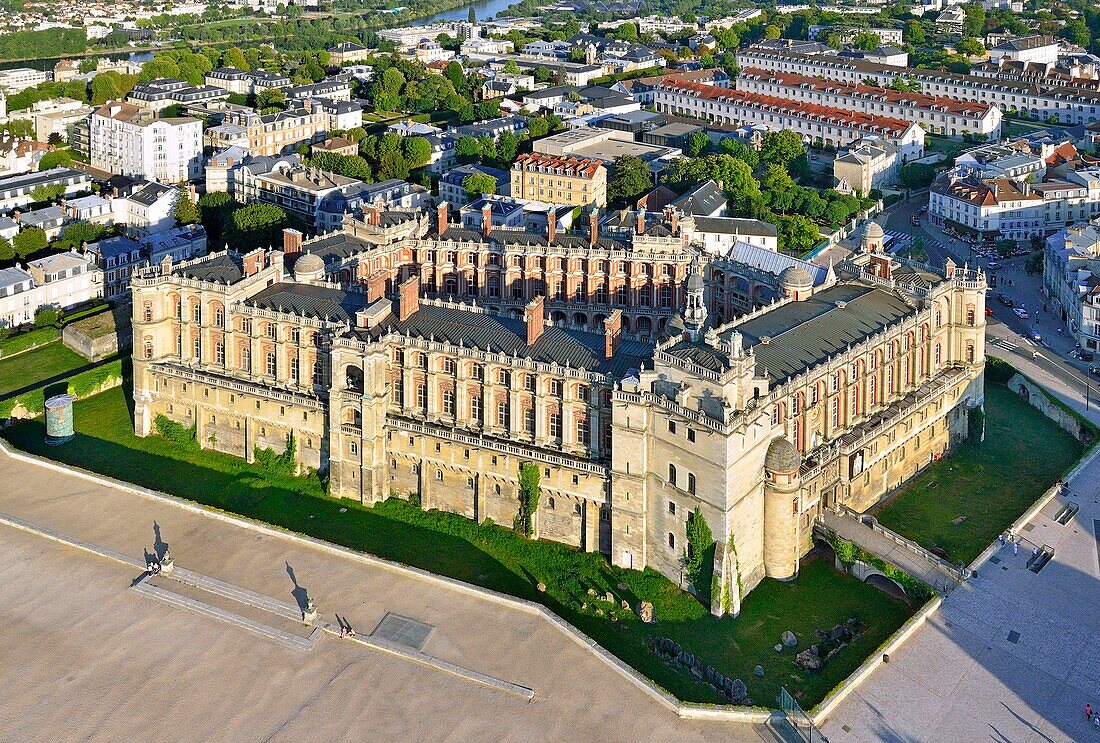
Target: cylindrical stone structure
x=59, y=419
x=781, y=486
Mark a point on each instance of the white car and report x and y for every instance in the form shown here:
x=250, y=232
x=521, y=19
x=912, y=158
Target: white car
x=1020, y=312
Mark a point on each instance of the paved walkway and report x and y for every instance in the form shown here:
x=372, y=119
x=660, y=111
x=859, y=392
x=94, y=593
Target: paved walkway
x=82, y=657
x=887, y=549
x=1012, y=656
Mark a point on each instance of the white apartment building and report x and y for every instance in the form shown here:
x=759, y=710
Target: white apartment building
x=129, y=140
x=62, y=280
x=1037, y=49
x=1071, y=277
x=1066, y=104
x=944, y=116
x=815, y=123
x=21, y=78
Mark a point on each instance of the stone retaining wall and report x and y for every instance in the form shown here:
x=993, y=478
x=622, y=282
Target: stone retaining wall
x=1039, y=400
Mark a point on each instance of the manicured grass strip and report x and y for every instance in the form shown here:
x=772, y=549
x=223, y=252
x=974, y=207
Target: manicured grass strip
x=960, y=504
x=82, y=385
x=497, y=558
x=34, y=366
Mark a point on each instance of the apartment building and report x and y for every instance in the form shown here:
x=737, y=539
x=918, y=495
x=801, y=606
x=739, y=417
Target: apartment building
x=1071, y=278
x=267, y=134
x=164, y=92
x=1027, y=49
x=61, y=280
x=128, y=140
x=348, y=53
x=559, y=180
x=944, y=116
x=21, y=78
x=245, y=82
x=869, y=163
x=1066, y=104
x=15, y=190
x=822, y=125
x=299, y=190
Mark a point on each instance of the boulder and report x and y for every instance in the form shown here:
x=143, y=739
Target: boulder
x=779, y=647
x=591, y=591
x=838, y=632
x=541, y=587
x=758, y=671
x=609, y=597
x=808, y=660
x=737, y=691
x=625, y=605
x=645, y=612
x=789, y=639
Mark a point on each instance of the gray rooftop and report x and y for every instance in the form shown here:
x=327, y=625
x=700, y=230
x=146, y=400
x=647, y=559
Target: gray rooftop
x=306, y=300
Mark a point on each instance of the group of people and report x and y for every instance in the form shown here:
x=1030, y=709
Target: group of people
x=1092, y=715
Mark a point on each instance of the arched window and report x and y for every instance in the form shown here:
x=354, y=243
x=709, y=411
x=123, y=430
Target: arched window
x=147, y=312
x=691, y=483
x=672, y=474
x=219, y=316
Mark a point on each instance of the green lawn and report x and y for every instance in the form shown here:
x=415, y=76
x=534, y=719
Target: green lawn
x=987, y=485
x=32, y=367
x=496, y=558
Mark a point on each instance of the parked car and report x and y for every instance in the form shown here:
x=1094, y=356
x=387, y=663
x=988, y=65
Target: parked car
x=1034, y=334
x=1004, y=300
x=1094, y=369
x=1020, y=312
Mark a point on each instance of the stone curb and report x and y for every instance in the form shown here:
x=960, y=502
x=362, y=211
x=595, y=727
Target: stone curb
x=754, y=715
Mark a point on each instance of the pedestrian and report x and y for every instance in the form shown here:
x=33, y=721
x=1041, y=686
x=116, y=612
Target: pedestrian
x=1088, y=710
x=1035, y=552
x=1015, y=548
x=1096, y=721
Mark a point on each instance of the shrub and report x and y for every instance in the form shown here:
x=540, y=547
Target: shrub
x=47, y=317
x=528, y=497
x=177, y=433
x=846, y=552
x=282, y=464
x=699, y=557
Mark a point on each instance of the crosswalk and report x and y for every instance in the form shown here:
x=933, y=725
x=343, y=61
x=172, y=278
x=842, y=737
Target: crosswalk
x=898, y=240
x=1003, y=344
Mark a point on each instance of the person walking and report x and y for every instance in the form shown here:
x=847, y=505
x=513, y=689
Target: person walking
x=1015, y=548
x=1088, y=710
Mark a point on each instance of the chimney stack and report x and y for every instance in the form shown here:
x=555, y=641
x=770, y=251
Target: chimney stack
x=640, y=226
x=292, y=241
x=551, y=223
x=442, y=215
x=487, y=219
x=534, y=314
x=376, y=286
x=166, y=265
x=594, y=225
x=253, y=261
x=408, y=298
x=612, y=333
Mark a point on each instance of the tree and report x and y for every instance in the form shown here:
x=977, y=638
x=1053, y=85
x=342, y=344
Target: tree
x=454, y=74
x=974, y=24
x=630, y=178
x=234, y=57
x=29, y=241
x=215, y=208
x=47, y=193
x=696, y=143
x=969, y=46
x=393, y=165
x=772, y=32
x=184, y=210
x=736, y=148
x=1076, y=31
x=511, y=68
x=7, y=252
x=418, y=151
x=866, y=41
x=55, y=139
x=626, y=32
x=256, y=225
x=270, y=97
x=914, y=33
x=797, y=233
x=468, y=150
x=47, y=317
x=75, y=234
x=111, y=86
x=529, y=476
x=54, y=159
x=472, y=17
x=836, y=213
x=917, y=175
x=781, y=148
x=479, y=184
x=699, y=555
x=507, y=148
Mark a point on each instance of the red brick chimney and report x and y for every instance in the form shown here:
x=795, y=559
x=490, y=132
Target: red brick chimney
x=534, y=314
x=442, y=215
x=408, y=298
x=640, y=225
x=487, y=219
x=376, y=286
x=253, y=261
x=292, y=241
x=551, y=224
x=594, y=226
x=612, y=333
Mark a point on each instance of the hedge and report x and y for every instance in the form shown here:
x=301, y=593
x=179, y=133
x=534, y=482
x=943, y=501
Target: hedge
x=80, y=385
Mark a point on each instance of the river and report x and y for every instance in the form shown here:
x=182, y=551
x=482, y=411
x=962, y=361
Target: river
x=483, y=8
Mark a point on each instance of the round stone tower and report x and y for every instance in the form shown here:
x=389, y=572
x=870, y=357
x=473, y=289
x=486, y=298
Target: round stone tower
x=796, y=283
x=873, y=238
x=309, y=269
x=781, y=485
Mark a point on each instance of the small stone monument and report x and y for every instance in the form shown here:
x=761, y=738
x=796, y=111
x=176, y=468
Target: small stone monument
x=645, y=612
x=309, y=614
x=758, y=671
x=166, y=563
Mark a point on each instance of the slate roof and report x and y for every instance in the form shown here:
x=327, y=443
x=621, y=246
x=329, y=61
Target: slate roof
x=803, y=334
x=735, y=226
x=702, y=200
x=773, y=262
x=149, y=194
x=223, y=268
x=498, y=334
x=306, y=300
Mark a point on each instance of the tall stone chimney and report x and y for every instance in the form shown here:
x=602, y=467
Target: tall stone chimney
x=639, y=226
x=408, y=298
x=487, y=219
x=442, y=215
x=612, y=333
x=534, y=314
x=594, y=226
x=376, y=286
x=551, y=223
x=292, y=241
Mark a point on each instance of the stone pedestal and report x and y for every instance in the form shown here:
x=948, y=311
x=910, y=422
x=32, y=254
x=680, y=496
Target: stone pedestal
x=309, y=614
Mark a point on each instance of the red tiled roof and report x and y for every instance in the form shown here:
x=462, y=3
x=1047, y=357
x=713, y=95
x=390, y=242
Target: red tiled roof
x=576, y=166
x=873, y=92
x=797, y=109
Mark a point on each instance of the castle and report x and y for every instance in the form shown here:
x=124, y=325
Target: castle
x=645, y=378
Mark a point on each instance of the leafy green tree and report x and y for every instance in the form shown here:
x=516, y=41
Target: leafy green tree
x=626, y=32
x=479, y=184
x=914, y=33
x=418, y=151
x=781, y=148
x=55, y=158
x=47, y=193
x=111, y=86
x=511, y=68
x=797, y=233
x=736, y=148
x=47, y=317
x=529, y=476
x=1076, y=31
x=917, y=175
x=630, y=178
x=88, y=64
x=468, y=150
x=7, y=252
x=393, y=165
x=866, y=41
x=772, y=32
x=270, y=97
x=184, y=210
x=699, y=555
x=974, y=24
x=969, y=46
x=29, y=241
x=234, y=57
x=215, y=208
x=356, y=134
x=256, y=225
x=696, y=143
x=75, y=234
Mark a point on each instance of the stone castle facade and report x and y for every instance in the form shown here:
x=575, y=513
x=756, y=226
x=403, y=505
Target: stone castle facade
x=645, y=378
